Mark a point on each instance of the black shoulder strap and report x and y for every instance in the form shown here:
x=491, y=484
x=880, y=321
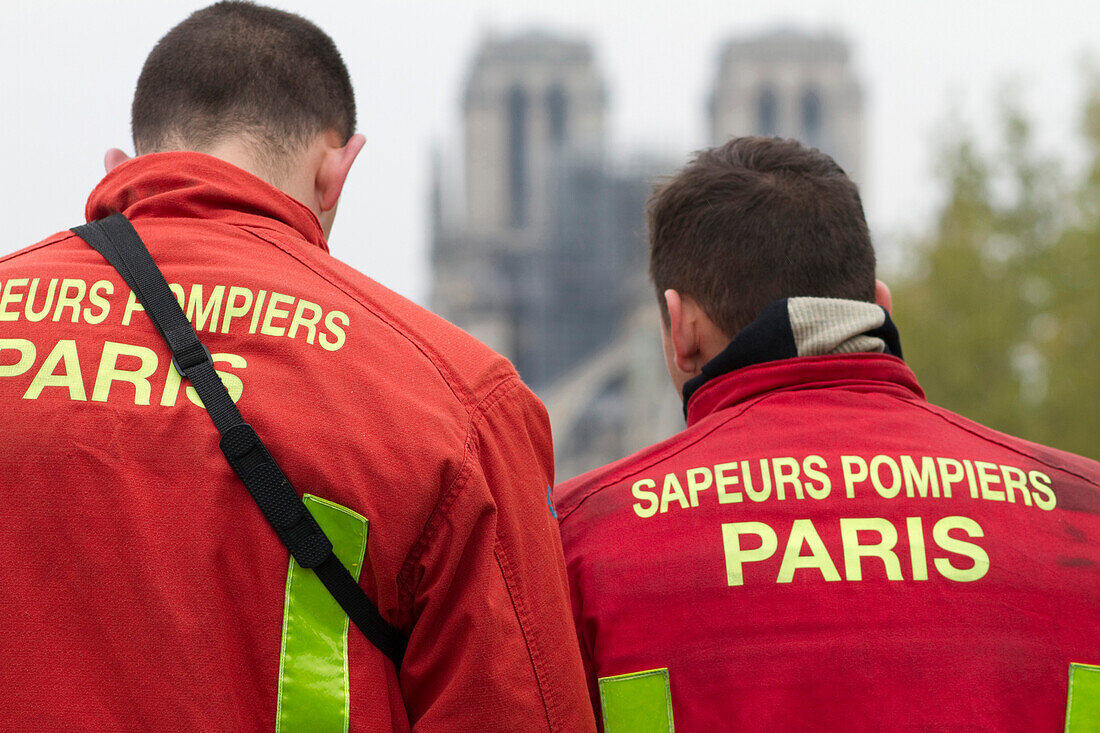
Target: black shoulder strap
x=115, y=239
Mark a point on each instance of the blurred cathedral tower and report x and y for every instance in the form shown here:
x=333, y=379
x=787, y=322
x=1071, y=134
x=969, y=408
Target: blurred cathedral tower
x=542, y=256
x=791, y=84
x=533, y=112
x=538, y=247
x=529, y=100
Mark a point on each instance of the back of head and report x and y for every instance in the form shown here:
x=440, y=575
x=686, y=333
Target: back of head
x=755, y=220
x=237, y=70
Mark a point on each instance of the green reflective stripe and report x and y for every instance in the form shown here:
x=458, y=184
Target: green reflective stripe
x=640, y=702
x=313, y=665
x=1083, y=703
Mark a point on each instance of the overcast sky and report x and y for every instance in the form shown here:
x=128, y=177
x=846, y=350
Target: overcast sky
x=69, y=70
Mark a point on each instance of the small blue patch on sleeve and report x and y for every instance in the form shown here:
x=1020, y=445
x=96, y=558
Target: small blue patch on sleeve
x=550, y=502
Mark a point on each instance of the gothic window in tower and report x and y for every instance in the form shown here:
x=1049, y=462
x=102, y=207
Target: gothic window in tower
x=812, y=118
x=767, y=112
x=556, y=108
x=517, y=155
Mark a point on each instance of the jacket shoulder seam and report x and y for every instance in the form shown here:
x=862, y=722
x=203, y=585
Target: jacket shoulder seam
x=54, y=239
x=448, y=375
x=607, y=482
x=1019, y=450
x=453, y=490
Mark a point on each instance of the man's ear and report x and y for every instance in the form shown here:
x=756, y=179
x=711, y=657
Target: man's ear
x=334, y=171
x=882, y=296
x=113, y=159
x=683, y=332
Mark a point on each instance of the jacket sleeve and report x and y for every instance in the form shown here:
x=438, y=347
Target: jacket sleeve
x=493, y=645
x=573, y=562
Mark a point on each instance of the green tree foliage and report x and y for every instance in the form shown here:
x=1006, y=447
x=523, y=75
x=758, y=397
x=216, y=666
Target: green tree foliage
x=1000, y=315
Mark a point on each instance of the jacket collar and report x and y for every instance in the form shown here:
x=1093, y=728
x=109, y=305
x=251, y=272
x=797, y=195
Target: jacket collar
x=840, y=341
x=194, y=185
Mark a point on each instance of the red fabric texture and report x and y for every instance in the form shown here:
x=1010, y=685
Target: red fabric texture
x=142, y=588
x=925, y=640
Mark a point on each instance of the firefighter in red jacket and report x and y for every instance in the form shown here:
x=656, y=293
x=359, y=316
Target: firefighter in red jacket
x=142, y=587
x=820, y=548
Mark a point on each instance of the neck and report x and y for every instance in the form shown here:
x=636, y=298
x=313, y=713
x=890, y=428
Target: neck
x=240, y=153
x=795, y=327
x=294, y=178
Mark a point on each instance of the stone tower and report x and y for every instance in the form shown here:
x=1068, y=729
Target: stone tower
x=533, y=110
x=539, y=252
x=791, y=84
x=530, y=101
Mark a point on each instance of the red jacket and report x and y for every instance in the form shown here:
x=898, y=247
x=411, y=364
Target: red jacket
x=823, y=549
x=142, y=588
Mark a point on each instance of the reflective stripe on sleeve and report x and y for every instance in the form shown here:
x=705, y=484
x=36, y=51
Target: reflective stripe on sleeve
x=313, y=664
x=639, y=702
x=1083, y=701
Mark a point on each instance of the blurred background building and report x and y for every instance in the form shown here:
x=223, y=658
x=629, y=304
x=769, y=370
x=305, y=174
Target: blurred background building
x=791, y=84
x=540, y=251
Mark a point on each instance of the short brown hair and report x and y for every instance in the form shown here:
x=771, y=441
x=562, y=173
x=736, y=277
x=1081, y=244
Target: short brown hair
x=235, y=68
x=756, y=220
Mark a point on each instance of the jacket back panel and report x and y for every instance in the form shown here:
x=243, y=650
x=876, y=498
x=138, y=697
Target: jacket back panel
x=143, y=589
x=839, y=554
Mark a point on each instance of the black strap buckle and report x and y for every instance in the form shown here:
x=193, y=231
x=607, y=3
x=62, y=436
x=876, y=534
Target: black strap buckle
x=191, y=356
